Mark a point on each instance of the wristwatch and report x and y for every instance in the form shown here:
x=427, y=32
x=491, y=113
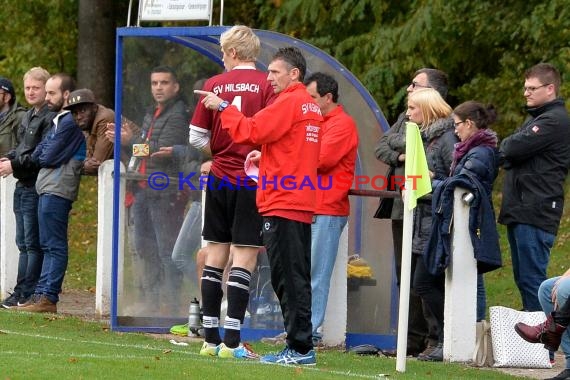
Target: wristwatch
x=223, y=105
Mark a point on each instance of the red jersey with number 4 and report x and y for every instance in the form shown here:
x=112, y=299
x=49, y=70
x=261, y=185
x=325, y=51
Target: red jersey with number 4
x=250, y=91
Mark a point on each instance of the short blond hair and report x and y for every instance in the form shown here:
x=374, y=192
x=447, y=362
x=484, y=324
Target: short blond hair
x=431, y=104
x=37, y=73
x=243, y=40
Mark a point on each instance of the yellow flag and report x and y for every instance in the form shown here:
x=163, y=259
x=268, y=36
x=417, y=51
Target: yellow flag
x=418, y=182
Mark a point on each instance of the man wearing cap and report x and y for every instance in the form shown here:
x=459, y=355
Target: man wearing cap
x=11, y=115
x=92, y=118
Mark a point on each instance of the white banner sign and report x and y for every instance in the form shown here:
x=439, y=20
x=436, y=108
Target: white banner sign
x=165, y=10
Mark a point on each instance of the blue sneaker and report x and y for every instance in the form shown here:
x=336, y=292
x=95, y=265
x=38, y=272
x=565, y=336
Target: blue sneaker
x=290, y=356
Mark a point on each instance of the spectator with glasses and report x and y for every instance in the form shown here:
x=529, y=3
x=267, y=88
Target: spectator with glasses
x=536, y=159
x=391, y=150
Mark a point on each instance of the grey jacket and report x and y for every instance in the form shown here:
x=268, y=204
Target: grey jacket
x=60, y=155
x=62, y=181
x=389, y=147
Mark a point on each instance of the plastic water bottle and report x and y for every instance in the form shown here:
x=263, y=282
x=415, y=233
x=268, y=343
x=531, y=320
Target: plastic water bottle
x=194, y=317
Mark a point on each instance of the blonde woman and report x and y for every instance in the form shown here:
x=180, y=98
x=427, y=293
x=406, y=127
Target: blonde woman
x=432, y=114
x=391, y=150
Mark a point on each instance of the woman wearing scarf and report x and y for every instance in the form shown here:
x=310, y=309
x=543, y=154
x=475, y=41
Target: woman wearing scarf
x=431, y=113
x=477, y=155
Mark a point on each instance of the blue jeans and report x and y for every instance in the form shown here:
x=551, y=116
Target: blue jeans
x=562, y=294
x=325, y=235
x=27, y=239
x=188, y=242
x=53, y=218
x=530, y=253
x=481, y=298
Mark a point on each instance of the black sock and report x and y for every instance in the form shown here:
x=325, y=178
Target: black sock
x=238, y=297
x=211, y=301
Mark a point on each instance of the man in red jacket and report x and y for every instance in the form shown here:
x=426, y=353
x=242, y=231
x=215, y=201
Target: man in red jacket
x=339, y=143
x=289, y=134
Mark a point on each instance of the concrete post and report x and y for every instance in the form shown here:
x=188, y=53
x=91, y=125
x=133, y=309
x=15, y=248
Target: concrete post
x=9, y=253
x=460, y=289
x=105, y=235
x=334, y=326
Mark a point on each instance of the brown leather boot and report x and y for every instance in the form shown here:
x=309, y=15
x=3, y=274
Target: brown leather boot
x=548, y=332
x=41, y=305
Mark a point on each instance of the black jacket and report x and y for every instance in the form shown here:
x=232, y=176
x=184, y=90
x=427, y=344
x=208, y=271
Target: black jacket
x=170, y=128
x=482, y=162
x=537, y=157
x=476, y=172
x=439, y=143
x=33, y=128
x=482, y=226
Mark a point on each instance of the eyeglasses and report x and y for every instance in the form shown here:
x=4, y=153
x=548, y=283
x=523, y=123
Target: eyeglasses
x=415, y=85
x=458, y=124
x=533, y=89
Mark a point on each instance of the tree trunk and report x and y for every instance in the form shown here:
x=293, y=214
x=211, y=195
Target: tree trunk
x=96, y=49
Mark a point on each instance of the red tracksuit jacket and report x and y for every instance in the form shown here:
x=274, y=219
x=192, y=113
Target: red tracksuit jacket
x=289, y=134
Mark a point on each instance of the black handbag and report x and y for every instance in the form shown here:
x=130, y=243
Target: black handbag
x=384, y=210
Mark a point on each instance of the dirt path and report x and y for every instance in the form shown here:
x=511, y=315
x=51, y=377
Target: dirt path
x=82, y=304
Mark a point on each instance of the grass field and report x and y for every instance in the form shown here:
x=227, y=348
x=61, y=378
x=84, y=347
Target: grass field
x=47, y=346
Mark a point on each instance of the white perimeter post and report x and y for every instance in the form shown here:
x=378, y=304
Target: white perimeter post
x=461, y=294
x=404, y=309
x=334, y=326
x=105, y=235
x=9, y=253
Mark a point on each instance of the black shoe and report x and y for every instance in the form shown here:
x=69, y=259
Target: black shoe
x=435, y=356
x=11, y=301
x=365, y=349
x=562, y=375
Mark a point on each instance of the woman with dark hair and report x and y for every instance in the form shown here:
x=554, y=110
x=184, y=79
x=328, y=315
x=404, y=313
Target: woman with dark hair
x=477, y=155
x=472, y=120
x=474, y=166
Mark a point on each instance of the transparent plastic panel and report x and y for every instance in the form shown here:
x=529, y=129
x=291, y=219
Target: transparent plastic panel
x=163, y=197
x=155, y=292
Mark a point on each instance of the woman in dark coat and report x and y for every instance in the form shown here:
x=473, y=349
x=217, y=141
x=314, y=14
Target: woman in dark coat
x=475, y=163
x=478, y=156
